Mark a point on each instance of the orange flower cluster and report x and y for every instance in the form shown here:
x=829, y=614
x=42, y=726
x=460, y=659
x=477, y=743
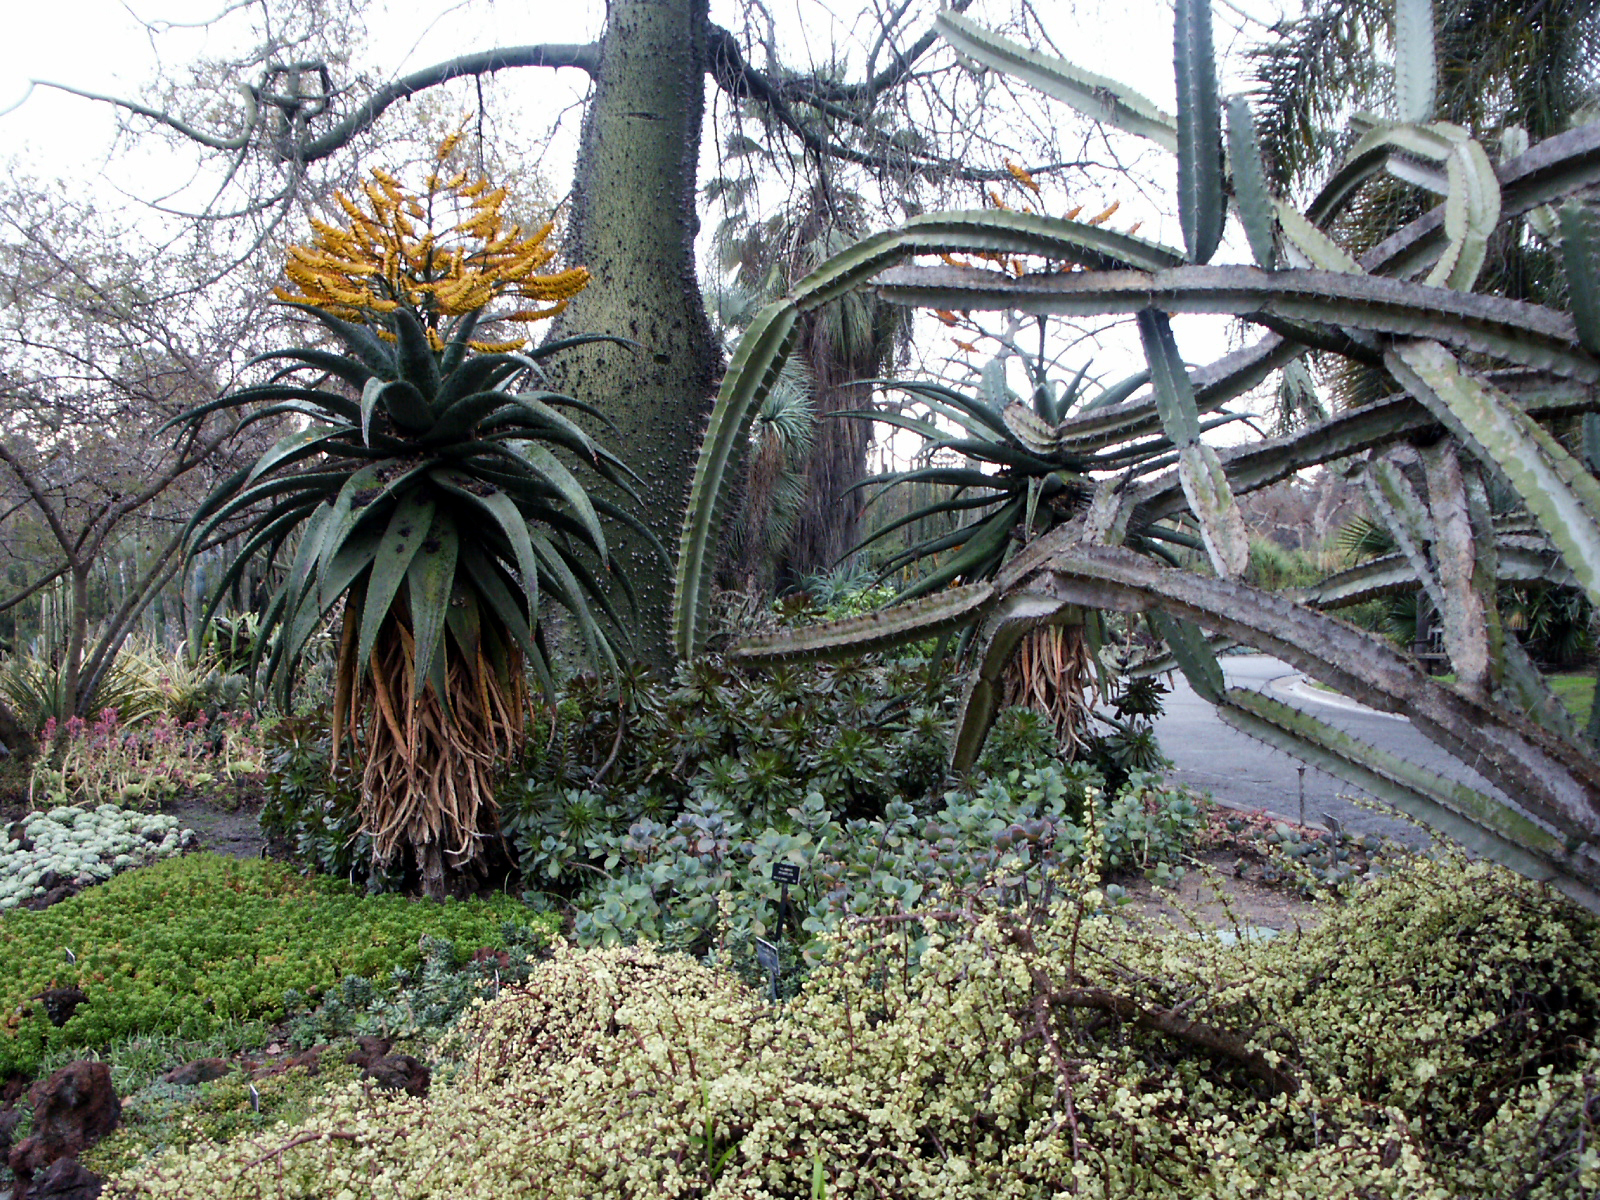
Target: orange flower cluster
x=390, y=255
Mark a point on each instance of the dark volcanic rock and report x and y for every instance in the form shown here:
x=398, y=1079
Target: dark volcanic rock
x=72, y=1110
x=65, y=1179
x=60, y=1003
x=55, y=895
x=201, y=1070
x=8, y=1126
x=308, y=1060
x=400, y=1071
x=369, y=1050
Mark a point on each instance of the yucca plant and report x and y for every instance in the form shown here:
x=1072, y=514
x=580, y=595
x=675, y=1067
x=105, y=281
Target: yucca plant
x=1475, y=386
x=421, y=491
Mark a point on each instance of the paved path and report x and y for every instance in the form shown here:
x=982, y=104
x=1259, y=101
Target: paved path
x=1243, y=772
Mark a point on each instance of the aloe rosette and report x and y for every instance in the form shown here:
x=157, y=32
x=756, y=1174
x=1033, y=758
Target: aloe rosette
x=426, y=492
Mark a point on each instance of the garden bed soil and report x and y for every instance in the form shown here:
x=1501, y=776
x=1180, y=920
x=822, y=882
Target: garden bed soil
x=226, y=823
x=1231, y=884
x=232, y=831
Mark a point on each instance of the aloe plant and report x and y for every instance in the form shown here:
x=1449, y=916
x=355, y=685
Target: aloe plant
x=1481, y=386
x=424, y=495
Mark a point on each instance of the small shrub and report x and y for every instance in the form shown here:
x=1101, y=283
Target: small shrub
x=190, y=943
x=312, y=807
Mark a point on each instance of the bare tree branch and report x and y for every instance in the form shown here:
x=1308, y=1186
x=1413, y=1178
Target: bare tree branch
x=585, y=57
x=155, y=114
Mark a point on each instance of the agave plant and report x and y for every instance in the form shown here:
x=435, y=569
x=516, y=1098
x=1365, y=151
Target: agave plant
x=423, y=493
x=1472, y=379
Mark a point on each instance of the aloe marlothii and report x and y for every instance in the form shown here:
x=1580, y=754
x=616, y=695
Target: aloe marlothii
x=428, y=499
x=1484, y=373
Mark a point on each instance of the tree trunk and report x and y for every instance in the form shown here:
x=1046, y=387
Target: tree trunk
x=633, y=226
x=828, y=522
x=77, y=635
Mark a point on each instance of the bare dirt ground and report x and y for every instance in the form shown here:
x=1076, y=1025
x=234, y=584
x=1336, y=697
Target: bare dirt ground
x=1220, y=898
x=222, y=831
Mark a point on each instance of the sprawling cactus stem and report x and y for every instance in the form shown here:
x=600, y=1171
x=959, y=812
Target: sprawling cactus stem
x=1406, y=305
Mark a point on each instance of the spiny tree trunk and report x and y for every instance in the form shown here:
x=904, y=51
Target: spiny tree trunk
x=633, y=226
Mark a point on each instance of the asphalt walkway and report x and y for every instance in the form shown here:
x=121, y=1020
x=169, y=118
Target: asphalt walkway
x=1244, y=773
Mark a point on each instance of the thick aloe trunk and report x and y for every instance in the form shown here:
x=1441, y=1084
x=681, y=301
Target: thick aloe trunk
x=633, y=226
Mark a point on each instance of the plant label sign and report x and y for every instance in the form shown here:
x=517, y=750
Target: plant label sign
x=785, y=873
x=766, y=955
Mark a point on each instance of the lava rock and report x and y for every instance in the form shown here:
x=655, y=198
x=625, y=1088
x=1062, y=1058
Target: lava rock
x=60, y=1003
x=55, y=895
x=64, y=1179
x=9, y=1119
x=401, y=1072
x=72, y=1110
x=369, y=1050
x=308, y=1060
x=201, y=1070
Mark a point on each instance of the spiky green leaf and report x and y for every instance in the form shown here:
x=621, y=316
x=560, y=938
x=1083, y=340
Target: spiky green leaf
x=429, y=580
x=407, y=529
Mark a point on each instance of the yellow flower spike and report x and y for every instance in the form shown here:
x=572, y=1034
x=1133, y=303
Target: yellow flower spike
x=1102, y=218
x=1072, y=214
x=1021, y=175
x=447, y=147
x=386, y=256
x=498, y=347
x=352, y=210
x=526, y=316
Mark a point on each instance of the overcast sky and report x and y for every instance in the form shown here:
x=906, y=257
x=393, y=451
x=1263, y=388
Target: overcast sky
x=104, y=46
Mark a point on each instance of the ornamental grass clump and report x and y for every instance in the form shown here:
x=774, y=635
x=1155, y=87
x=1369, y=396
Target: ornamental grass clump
x=965, y=1051
x=420, y=489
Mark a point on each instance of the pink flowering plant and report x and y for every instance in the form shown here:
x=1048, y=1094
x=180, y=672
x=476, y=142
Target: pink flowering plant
x=105, y=760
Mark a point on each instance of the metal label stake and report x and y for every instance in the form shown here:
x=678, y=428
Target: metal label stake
x=767, y=952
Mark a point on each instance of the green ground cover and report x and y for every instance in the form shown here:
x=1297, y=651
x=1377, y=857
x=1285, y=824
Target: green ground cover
x=187, y=945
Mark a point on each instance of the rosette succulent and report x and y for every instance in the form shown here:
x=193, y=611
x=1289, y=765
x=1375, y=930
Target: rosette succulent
x=424, y=490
